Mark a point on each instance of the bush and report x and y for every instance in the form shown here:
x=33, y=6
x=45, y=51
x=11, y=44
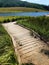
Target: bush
x=8, y=20
x=5, y=21
x=13, y=20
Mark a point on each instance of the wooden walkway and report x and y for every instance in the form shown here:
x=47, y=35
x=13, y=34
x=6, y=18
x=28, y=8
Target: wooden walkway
x=27, y=46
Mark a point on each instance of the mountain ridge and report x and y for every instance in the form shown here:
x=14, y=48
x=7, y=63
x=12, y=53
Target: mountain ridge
x=19, y=3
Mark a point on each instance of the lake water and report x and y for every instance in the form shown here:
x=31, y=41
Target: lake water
x=25, y=14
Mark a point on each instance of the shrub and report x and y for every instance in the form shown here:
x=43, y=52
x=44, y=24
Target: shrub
x=13, y=20
x=5, y=21
x=8, y=20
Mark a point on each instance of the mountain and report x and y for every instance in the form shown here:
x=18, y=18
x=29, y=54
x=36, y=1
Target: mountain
x=19, y=3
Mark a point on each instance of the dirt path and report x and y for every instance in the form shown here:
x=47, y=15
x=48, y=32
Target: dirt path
x=27, y=47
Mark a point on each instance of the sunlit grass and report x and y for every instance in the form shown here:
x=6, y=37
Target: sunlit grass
x=4, y=19
x=20, y=9
x=7, y=54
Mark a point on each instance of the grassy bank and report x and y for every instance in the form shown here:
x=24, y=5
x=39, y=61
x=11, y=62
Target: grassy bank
x=38, y=24
x=20, y=9
x=4, y=19
x=7, y=54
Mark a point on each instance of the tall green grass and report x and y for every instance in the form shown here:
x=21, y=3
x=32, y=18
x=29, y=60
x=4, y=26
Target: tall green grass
x=5, y=19
x=38, y=24
x=19, y=9
x=7, y=54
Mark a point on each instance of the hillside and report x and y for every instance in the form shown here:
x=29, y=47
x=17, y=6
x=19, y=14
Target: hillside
x=19, y=3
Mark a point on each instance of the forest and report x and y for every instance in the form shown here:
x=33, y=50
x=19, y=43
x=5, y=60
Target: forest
x=19, y=3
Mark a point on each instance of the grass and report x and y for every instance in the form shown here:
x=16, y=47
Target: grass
x=7, y=54
x=4, y=19
x=20, y=9
x=38, y=24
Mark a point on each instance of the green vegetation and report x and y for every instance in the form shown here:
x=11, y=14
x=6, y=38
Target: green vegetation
x=19, y=3
x=5, y=19
x=38, y=24
x=20, y=9
x=7, y=54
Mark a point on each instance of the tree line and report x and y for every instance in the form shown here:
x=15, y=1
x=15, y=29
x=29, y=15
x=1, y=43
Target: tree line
x=19, y=3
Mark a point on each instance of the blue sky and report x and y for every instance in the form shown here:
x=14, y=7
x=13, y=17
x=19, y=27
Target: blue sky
x=45, y=2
